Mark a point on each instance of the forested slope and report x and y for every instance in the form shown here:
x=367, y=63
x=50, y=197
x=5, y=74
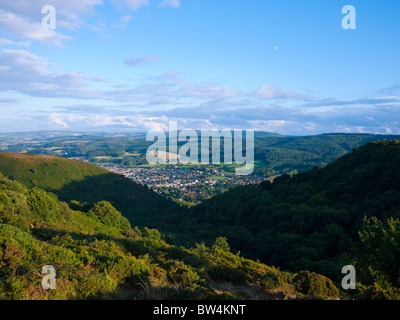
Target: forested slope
x=309, y=221
x=97, y=255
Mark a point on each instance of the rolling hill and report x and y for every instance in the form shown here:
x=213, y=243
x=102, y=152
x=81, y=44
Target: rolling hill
x=347, y=212
x=85, y=183
x=289, y=155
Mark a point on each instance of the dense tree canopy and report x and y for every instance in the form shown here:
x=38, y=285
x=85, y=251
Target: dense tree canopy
x=309, y=221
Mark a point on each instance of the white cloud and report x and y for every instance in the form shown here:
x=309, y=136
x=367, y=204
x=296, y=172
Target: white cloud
x=69, y=13
x=171, y=90
x=275, y=92
x=29, y=74
x=284, y=121
x=7, y=42
x=56, y=119
x=146, y=111
x=125, y=19
x=136, y=4
x=171, y=3
x=137, y=122
x=158, y=99
x=121, y=24
x=33, y=9
x=29, y=29
x=276, y=126
x=136, y=61
x=23, y=72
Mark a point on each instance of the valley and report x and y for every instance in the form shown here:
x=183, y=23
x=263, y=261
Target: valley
x=292, y=225
x=188, y=185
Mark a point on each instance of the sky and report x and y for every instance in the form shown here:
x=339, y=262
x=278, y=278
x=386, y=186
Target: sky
x=283, y=66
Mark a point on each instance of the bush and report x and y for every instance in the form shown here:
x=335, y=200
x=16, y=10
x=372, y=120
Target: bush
x=181, y=273
x=108, y=215
x=5, y=201
x=43, y=204
x=223, y=273
x=315, y=285
x=378, y=253
x=198, y=290
x=222, y=244
x=270, y=281
x=77, y=206
x=375, y=292
x=21, y=223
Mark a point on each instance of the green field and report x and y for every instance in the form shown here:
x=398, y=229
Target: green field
x=217, y=178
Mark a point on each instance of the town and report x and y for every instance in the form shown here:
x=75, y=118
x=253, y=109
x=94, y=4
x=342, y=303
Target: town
x=188, y=185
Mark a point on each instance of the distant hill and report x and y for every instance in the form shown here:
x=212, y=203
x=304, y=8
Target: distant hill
x=284, y=154
x=261, y=134
x=309, y=221
x=85, y=183
x=274, y=154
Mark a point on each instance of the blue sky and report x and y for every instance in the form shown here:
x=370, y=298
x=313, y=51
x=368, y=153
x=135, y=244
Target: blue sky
x=284, y=66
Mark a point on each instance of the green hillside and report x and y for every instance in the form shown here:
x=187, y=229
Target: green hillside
x=309, y=221
x=49, y=172
x=289, y=155
x=307, y=227
x=97, y=255
x=84, y=183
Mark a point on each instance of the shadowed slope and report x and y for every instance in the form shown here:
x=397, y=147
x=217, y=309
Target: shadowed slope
x=86, y=183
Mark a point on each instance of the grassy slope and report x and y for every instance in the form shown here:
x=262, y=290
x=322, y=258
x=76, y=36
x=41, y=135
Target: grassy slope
x=48, y=172
x=74, y=180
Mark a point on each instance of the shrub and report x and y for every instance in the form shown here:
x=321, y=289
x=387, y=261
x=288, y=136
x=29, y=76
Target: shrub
x=222, y=244
x=108, y=215
x=315, y=285
x=375, y=292
x=181, y=273
x=77, y=206
x=270, y=281
x=222, y=273
x=21, y=223
x=5, y=201
x=43, y=204
x=129, y=233
x=198, y=289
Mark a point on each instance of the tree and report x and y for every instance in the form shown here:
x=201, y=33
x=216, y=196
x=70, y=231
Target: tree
x=42, y=203
x=378, y=253
x=222, y=244
x=108, y=215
